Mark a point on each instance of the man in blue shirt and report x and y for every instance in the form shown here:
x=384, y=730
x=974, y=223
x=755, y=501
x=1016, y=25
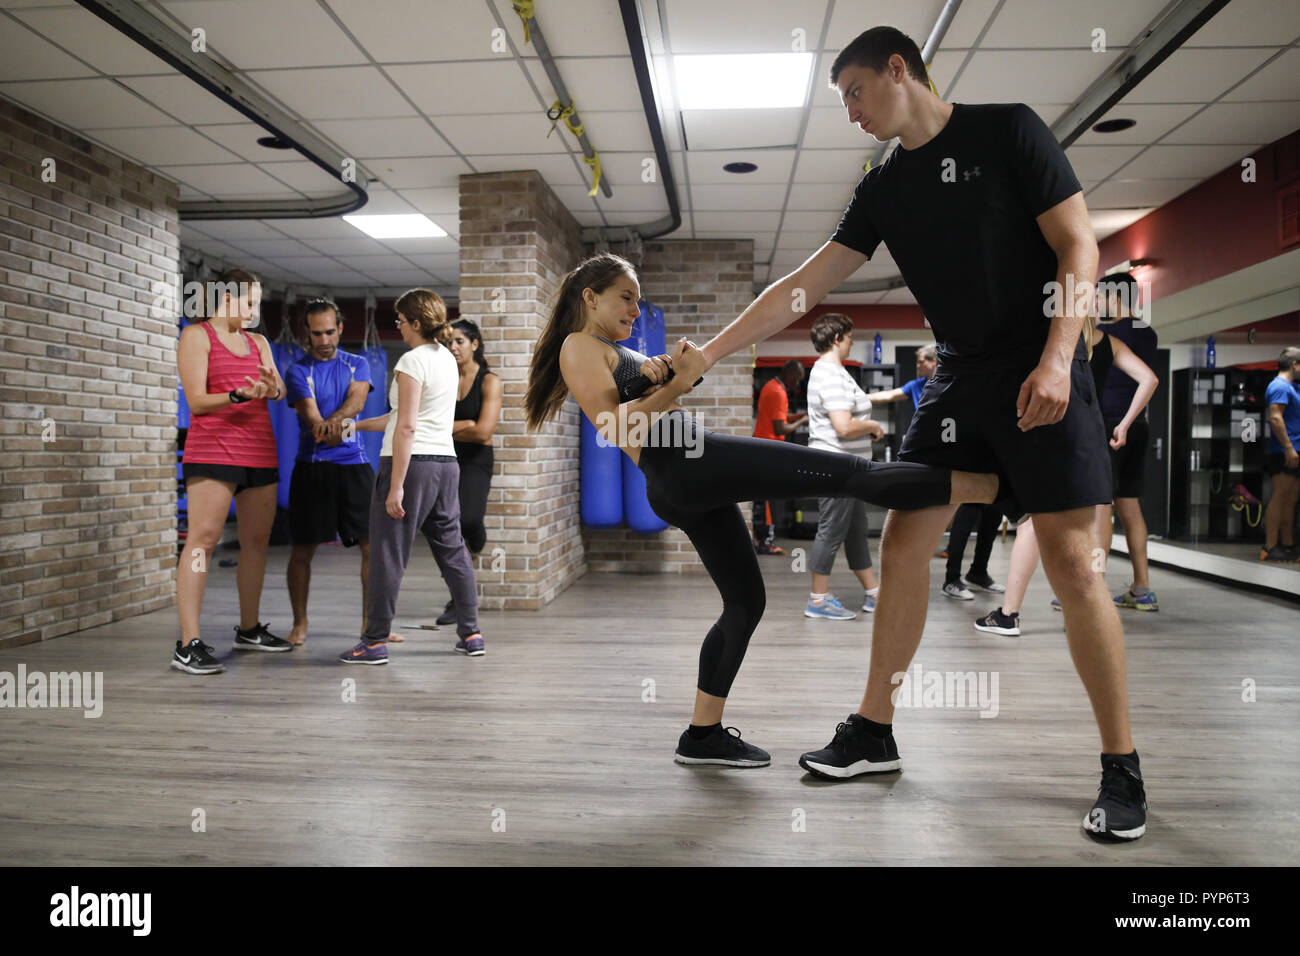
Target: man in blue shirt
x=1117, y=297
x=1283, y=459
x=927, y=360
x=332, y=483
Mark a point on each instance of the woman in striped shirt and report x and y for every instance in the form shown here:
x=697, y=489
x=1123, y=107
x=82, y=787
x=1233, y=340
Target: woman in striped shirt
x=228, y=376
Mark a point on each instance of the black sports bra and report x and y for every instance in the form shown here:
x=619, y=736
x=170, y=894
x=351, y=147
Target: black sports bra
x=629, y=362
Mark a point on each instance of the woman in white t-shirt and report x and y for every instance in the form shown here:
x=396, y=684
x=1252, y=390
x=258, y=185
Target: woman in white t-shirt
x=417, y=486
x=837, y=421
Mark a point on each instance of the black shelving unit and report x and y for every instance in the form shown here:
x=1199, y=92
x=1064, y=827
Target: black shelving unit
x=1220, y=435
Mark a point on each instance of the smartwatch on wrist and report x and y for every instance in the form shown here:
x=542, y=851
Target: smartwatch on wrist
x=236, y=398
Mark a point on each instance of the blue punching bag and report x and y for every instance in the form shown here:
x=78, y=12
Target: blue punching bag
x=648, y=338
x=373, y=351
x=600, y=479
x=284, y=420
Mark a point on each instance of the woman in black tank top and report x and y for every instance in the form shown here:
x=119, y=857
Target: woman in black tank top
x=478, y=409
x=695, y=478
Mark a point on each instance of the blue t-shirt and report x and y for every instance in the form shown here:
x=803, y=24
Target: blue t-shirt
x=914, y=388
x=1118, y=391
x=1281, y=392
x=327, y=383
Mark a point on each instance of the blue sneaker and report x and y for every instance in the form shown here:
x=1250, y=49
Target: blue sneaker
x=1056, y=605
x=365, y=653
x=1141, y=602
x=829, y=608
x=868, y=603
x=473, y=646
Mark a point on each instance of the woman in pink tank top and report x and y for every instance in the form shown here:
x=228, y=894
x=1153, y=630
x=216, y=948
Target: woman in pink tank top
x=228, y=376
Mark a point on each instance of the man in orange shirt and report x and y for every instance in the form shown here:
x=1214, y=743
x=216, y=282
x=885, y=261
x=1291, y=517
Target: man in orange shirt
x=774, y=422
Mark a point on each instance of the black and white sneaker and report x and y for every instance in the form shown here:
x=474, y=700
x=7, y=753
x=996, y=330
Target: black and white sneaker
x=984, y=583
x=723, y=747
x=196, y=658
x=995, y=622
x=853, y=752
x=259, y=639
x=955, y=589
x=1120, y=812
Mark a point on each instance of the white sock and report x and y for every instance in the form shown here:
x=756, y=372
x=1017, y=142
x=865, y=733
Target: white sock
x=817, y=597
x=872, y=592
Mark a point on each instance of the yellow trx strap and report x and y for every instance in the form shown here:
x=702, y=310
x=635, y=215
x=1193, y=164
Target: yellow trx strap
x=594, y=162
x=557, y=113
x=525, y=10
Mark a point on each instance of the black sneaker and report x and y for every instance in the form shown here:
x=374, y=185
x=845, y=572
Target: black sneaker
x=984, y=582
x=1276, y=553
x=723, y=747
x=853, y=752
x=448, y=615
x=196, y=658
x=259, y=639
x=995, y=622
x=1120, y=812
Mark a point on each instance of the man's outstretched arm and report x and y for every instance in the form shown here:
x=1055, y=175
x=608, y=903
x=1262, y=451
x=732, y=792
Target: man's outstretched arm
x=786, y=300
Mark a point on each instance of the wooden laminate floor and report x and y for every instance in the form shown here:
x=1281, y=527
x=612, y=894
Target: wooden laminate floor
x=548, y=737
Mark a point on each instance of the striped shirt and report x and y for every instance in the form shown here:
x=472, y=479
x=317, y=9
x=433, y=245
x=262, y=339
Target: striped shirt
x=831, y=389
x=237, y=434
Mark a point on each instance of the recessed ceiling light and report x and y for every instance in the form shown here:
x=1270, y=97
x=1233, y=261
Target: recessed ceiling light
x=742, y=81
x=412, y=226
x=739, y=168
x=1114, y=125
x=273, y=142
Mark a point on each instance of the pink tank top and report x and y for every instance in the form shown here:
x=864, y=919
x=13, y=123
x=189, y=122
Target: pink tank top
x=237, y=434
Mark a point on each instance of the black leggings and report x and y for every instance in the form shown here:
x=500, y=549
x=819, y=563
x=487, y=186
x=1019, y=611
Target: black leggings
x=694, y=479
x=986, y=519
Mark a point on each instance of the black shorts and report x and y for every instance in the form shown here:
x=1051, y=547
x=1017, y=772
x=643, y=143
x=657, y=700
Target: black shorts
x=1275, y=464
x=1129, y=464
x=967, y=421
x=241, y=477
x=328, y=501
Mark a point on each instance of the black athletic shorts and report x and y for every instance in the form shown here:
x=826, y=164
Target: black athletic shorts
x=241, y=476
x=1129, y=464
x=328, y=501
x=967, y=421
x=1275, y=464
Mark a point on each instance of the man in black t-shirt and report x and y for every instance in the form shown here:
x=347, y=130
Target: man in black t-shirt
x=983, y=215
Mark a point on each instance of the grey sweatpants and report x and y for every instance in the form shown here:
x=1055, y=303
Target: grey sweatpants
x=430, y=492
x=840, y=521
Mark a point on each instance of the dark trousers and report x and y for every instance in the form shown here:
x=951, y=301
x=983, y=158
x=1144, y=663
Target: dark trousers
x=968, y=518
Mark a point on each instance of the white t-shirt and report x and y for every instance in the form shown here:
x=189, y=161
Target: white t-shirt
x=831, y=389
x=434, y=367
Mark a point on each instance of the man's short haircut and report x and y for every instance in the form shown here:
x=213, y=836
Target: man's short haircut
x=929, y=353
x=1289, y=355
x=874, y=48
x=793, y=365
x=827, y=328
x=314, y=306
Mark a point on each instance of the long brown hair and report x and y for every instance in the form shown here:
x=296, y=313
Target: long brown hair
x=427, y=312
x=546, y=389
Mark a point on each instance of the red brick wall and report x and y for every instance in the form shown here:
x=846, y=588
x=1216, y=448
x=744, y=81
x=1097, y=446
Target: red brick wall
x=88, y=519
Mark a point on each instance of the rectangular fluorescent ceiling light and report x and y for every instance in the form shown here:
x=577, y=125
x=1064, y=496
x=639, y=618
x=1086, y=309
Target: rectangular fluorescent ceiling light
x=413, y=226
x=742, y=81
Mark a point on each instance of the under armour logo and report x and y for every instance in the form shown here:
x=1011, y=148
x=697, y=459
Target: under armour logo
x=971, y=172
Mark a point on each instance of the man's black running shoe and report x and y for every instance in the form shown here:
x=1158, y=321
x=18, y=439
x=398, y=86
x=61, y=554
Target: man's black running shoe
x=1120, y=812
x=723, y=747
x=853, y=752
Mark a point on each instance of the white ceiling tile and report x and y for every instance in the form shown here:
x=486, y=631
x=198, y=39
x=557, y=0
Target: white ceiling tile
x=410, y=247
x=455, y=89
x=633, y=197
x=1058, y=76
x=556, y=168
x=254, y=34
x=595, y=83
x=522, y=133
x=439, y=263
x=1098, y=162
x=229, y=181
x=86, y=104
x=1250, y=23
x=830, y=129
x=423, y=173
x=944, y=67
x=232, y=230
x=1153, y=122
x=741, y=129
x=1182, y=162
x=276, y=249
x=1025, y=23
x=164, y=146
x=831, y=197
x=84, y=35
x=399, y=136
x=823, y=94
x=445, y=199
x=773, y=165
x=1137, y=193
x=791, y=240
x=359, y=244
x=1049, y=113
x=965, y=28
x=385, y=202
x=1196, y=76
x=831, y=165
x=241, y=139
x=1106, y=222
x=192, y=195
x=304, y=176
x=737, y=222
x=28, y=57
x=1246, y=124
x=183, y=98
x=916, y=18
x=623, y=130
x=707, y=197
x=588, y=218
x=757, y=26
x=352, y=92
x=824, y=222
x=331, y=227
x=427, y=32
x=1280, y=80
x=572, y=28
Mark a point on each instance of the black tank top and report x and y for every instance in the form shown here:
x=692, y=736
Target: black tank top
x=471, y=407
x=1103, y=357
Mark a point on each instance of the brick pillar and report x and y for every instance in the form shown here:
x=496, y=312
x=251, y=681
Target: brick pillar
x=516, y=243
x=701, y=285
